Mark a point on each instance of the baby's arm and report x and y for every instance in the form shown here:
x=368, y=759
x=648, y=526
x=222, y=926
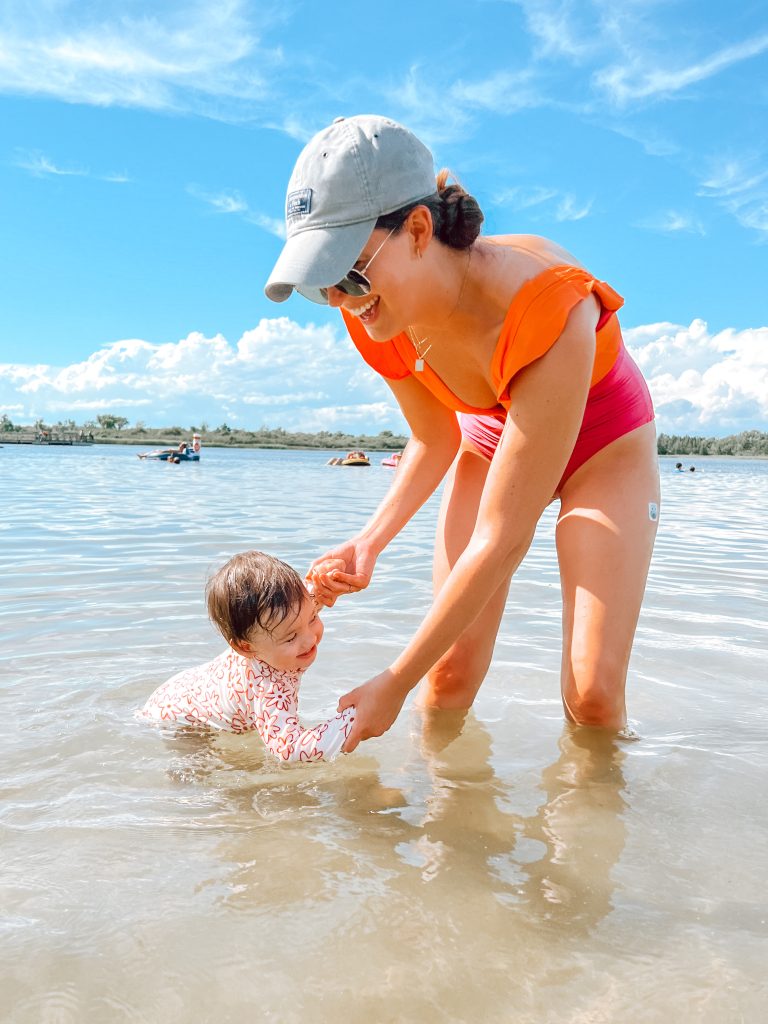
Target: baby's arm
x=277, y=721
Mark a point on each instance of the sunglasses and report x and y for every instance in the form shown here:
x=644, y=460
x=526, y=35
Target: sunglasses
x=355, y=283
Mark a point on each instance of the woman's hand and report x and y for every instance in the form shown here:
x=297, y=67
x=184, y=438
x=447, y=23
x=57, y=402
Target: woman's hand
x=345, y=570
x=377, y=704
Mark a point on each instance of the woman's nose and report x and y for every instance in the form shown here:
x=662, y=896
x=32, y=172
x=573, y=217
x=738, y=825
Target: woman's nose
x=335, y=296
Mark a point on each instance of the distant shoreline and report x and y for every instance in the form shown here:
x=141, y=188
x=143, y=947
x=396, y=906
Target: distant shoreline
x=151, y=443
x=115, y=430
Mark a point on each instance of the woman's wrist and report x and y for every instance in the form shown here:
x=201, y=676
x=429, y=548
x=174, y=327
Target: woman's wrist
x=402, y=681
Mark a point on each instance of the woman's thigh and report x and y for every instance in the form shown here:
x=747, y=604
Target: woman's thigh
x=455, y=679
x=605, y=535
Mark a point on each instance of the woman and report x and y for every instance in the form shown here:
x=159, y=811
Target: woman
x=514, y=335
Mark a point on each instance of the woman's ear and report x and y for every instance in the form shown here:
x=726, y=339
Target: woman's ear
x=420, y=228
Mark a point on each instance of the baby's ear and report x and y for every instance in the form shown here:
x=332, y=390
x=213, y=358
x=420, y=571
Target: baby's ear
x=242, y=647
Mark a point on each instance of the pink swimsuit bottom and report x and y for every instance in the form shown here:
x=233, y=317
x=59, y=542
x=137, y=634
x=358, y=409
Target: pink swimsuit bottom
x=617, y=404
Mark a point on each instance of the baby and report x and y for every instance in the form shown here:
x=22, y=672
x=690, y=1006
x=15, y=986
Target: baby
x=270, y=621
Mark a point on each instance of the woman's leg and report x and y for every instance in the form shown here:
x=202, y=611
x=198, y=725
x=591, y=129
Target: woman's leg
x=605, y=535
x=455, y=679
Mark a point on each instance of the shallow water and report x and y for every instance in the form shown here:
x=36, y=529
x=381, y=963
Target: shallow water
x=504, y=868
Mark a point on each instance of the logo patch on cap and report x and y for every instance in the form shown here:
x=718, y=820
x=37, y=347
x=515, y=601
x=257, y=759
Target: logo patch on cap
x=298, y=203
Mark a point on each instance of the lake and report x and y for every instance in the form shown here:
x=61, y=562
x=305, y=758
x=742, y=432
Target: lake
x=507, y=868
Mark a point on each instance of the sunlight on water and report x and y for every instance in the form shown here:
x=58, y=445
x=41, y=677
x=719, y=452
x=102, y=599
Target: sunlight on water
x=498, y=866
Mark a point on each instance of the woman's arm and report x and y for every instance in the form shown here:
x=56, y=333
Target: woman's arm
x=435, y=438
x=546, y=409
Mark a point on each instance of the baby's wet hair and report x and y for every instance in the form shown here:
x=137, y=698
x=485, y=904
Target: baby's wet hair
x=253, y=590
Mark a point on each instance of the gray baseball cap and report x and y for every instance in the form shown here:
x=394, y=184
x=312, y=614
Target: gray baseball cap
x=346, y=177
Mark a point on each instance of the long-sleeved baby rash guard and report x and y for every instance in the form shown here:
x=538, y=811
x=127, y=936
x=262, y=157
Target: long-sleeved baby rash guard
x=237, y=694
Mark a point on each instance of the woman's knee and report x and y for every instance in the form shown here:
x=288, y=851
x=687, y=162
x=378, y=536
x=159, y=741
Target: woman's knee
x=593, y=692
x=454, y=680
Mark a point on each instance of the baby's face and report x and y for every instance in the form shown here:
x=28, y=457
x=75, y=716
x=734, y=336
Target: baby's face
x=292, y=646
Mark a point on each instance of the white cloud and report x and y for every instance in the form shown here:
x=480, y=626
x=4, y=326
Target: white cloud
x=703, y=383
x=309, y=377
x=279, y=373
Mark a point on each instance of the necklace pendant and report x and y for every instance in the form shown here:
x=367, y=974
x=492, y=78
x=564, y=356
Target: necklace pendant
x=419, y=365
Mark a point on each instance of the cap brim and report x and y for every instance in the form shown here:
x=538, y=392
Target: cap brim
x=317, y=258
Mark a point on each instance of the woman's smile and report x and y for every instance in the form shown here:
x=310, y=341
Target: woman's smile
x=367, y=312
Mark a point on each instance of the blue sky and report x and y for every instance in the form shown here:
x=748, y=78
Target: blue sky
x=146, y=148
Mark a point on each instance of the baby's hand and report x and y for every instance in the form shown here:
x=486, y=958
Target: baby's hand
x=317, y=575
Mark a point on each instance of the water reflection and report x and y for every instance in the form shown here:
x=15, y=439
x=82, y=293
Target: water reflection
x=556, y=862
x=444, y=823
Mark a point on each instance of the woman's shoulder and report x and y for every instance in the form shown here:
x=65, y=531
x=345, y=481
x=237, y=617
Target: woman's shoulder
x=520, y=266
x=531, y=253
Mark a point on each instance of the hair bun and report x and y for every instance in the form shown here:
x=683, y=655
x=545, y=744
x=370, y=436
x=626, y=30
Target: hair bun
x=460, y=215
x=456, y=215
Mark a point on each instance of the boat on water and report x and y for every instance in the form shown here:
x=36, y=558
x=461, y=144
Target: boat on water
x=392, y=460
x=353, y=459
x=186, y=451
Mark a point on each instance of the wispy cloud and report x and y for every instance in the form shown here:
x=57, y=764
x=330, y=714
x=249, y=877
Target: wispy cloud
x=503, y=92
x=233, y=202
x=523, y=197
x=742, y=190
x=563, y=28
x=419, y=101
x=570, y=209
x=179, y=56
x=551, y=202
x=671, y=222
x=641, y=78
x=41, y=166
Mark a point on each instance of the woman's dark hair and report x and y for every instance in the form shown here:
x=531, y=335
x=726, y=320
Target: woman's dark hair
x=253, y=589
x=456, y=215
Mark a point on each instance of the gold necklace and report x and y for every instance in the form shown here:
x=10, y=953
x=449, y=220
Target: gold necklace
x=422, y=352
x=419, y=364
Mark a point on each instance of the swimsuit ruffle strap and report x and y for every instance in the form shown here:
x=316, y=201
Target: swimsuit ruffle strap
x=537, y=318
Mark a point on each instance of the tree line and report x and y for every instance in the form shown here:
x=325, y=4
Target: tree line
x=748, y=443
x=108, y=427
x=115, y=429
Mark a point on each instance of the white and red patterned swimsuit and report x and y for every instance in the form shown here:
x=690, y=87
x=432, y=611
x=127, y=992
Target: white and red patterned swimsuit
x=237, y=694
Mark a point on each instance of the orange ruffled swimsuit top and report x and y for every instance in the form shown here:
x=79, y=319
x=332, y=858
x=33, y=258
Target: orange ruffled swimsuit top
x=535, y=320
